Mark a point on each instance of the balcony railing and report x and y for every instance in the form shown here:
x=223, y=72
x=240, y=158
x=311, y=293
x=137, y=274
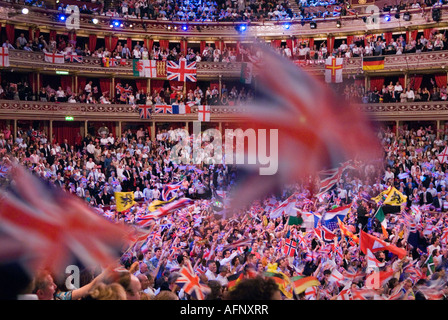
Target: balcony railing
x=12, y=109
x=435, y=60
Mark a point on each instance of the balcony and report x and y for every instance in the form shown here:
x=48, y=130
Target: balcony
x=30, y=110
x=91, y=66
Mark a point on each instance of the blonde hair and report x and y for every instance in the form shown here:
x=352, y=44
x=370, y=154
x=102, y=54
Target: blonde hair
x=102, y=291
x=166, y=295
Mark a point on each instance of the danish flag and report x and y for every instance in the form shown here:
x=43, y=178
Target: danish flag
x=181, y=71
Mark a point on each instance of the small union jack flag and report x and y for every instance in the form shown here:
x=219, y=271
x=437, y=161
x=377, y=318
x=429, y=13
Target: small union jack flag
x=3, y=171
x=74, y=58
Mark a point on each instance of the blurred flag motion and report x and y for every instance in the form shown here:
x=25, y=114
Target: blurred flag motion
x=43, y=227
x=317, y=129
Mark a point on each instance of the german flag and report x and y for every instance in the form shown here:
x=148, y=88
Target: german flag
x=373, y=63
x=300, y=284
x=234, y=279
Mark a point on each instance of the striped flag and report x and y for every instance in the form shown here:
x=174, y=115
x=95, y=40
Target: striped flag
x=372, y=62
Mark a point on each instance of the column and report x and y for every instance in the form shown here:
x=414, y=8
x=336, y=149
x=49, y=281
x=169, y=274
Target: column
x=438, y=128
x=153, y=131
x=220, y=85
x=397, y=124
x=76, y=83
x=148, y=87
x=118, y=129
x=50, y=132
x=86, y=128
x=14, y=129
x=38, y=84
x=366, y=83
x=112, y=90
x=220, y=127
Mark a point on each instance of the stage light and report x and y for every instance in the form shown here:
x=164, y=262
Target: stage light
x=387, y=18
x=116, y=23
x=406, y=16
x=241, y=28
x=313, y=25
x=338, y=24
x=61, y=17
x=25, y=11
x=287, y=26
x=185, y=28
x=169, y=27
x=95, y=21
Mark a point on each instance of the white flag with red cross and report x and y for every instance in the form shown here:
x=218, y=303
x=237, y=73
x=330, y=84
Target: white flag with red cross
x=204, y=113
x=4, y=57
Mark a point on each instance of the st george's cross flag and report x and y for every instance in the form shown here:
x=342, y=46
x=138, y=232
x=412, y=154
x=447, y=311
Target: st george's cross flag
x=54, y=57
x=204, y=113
x=4, y=57
x=333, y=70
x=181, y=71
x=443, y=156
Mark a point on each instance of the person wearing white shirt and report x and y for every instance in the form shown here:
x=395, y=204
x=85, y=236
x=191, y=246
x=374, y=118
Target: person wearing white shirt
x=138, y=194
x=90, y=164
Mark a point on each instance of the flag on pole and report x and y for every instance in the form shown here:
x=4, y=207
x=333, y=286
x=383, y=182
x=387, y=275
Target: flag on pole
x=333, y=69
x=383, y=221
x=395, y=198
x=375, y=244
x=124, y=200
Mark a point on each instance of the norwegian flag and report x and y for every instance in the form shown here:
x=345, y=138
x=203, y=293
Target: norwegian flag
x=145, y=111
x=53, y=228
x=324, y=234
x=74, y=58
x=290, y=247
x=181, y=71
x=163, y=108
x=191, y=283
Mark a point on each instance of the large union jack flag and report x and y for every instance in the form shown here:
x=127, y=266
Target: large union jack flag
x=191, y=284
x=163, y=108
x=181, y=71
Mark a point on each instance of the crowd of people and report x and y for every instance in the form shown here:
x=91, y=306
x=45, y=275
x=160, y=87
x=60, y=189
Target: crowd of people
x=249, y=244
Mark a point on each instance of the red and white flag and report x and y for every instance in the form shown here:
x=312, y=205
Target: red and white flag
x=191, y=284
x=54, y=57
x=290, y=247
x=333, y=69
x=181, y=71
x=4, y=57
x=443, y=156
x=204, y=113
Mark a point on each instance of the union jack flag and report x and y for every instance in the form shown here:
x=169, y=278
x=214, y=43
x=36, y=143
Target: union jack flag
x=181, y=71
x=145, y=111
x=163, y=108
x=74, y=58
x=52, y=227
x=191, y=283
x=3, y=171
x=168, y=189
x=167, y=209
